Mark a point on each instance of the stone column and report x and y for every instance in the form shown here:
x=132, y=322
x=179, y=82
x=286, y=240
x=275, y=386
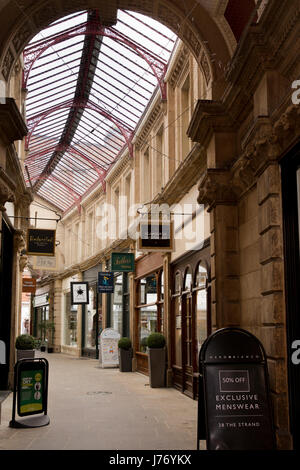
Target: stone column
x=79, y=320
x=18, y=264
x=273, y=331
x=57, y=315
x=220, y=196
x=167, y=314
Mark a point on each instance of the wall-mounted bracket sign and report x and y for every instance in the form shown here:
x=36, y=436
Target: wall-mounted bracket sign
x=234, y=406
x=122, y=262
x=109, y=339
x=105, y=283
x=28, y=285
x=40, y=242
x=156, y=236
x=30, y=393
x=79, y=293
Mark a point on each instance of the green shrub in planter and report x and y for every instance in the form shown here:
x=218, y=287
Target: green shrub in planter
x=156, y=341
x=125, y=355
x=124, y=343
x=25, y=342
x=25, y=346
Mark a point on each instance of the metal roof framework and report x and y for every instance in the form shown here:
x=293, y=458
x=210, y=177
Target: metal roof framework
x=88, y=86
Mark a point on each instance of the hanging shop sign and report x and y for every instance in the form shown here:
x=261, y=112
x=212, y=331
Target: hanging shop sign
x=40, y=242
x=30, y=393
x=105, y=282
x=40, y=300
x=122, y=262
x=109, y=339
x=79, y=293
x=29, y=285
x=44, y=263
x=156, y=236
x=234, y=388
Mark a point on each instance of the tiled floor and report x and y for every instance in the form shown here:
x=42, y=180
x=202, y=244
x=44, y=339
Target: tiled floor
x=94, y=408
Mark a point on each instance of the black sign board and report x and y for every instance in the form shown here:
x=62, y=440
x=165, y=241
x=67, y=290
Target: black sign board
x=40, y=242
x=30, y=393
x=156, y=236
x=105, y=282
x=79, y=293
x=234, y=389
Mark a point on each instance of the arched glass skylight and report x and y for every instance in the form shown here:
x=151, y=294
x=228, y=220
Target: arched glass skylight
x=88, y=86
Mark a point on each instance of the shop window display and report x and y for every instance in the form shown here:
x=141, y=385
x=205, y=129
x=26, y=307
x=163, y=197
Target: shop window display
x=150, y=294
x=70, y=326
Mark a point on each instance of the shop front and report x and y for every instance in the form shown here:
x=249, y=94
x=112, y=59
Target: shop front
x=41, y=316
x=6, y=275
x=290, y=172
x=149, y=307
x=118, y=304
x=190, y=316
x=92, y=321
x=71, y=320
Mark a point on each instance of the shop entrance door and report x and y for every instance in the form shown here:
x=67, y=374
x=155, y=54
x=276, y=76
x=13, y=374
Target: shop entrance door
x=187, y=345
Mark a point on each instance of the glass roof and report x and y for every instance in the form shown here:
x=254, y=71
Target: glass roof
x=88, y=86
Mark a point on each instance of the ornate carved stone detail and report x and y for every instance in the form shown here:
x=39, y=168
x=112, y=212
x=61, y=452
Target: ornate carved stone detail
x=19, y=239
x=217, y=187
x=42, y=17
x=169, y=17
x=192, y=40
x=7, y=189
x=182, y=58
x=23, y=262
x=7, y=64
x=288, y=125
x=21, y=37
x=205, y=68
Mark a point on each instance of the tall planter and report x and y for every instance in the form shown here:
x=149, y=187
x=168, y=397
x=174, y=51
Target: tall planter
x=25, y=354
x=125, y=360
x=157, y=367
x=25, y=347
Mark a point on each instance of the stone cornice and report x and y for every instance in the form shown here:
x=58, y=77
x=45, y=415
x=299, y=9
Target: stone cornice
x=12, y=124
x=208, y=117
x=118, y=168
x=143, y=134
x=184, y=178
x=182, y=60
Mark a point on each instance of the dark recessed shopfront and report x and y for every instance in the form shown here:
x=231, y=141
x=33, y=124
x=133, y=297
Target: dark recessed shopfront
x=6, y=261
x=290, y=167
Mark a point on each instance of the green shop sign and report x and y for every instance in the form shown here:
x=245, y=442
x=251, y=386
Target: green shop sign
x=123, y=262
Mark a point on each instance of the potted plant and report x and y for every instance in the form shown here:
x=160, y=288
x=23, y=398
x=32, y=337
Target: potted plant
x=157, y=359
x=25, y=346
x=125, y=354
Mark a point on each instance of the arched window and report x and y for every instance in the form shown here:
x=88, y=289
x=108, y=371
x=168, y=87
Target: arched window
x=201, y=320
x=187, y=280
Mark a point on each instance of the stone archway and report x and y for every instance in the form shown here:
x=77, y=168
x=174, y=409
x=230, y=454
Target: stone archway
x=193, y=21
